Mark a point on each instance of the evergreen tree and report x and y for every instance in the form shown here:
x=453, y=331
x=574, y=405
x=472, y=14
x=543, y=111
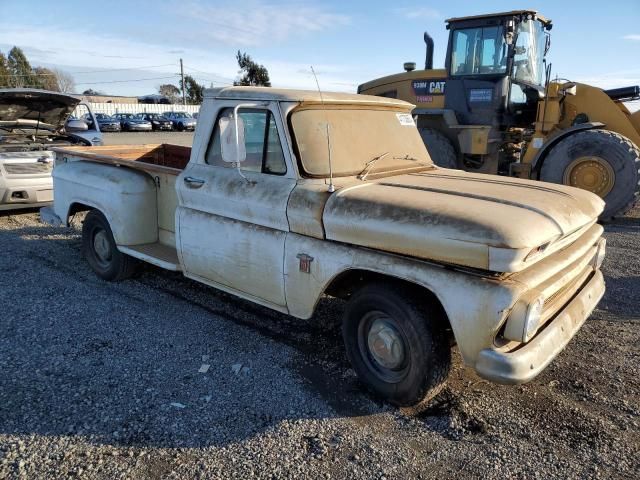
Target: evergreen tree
x=4, y=72
x=193, y=90
x=22, y=74
x=252, y=74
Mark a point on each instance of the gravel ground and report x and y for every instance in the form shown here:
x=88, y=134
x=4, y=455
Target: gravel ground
x=161, y=377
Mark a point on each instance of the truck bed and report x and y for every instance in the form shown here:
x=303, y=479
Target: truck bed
x=159, y=158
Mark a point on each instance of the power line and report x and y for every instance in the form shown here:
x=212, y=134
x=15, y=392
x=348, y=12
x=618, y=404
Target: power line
x=91, y=71
x=213, y=75
x=124, y=81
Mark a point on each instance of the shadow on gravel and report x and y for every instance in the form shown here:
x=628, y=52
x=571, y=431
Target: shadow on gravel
x=118, y=363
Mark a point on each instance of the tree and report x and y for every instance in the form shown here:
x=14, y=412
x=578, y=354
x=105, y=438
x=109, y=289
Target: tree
x=46, y=79
x=65, y=80
x=252, y=74
x=170, y=91
x=193, y=90
x=22, y=74
x=4, y=71
x=91, y=91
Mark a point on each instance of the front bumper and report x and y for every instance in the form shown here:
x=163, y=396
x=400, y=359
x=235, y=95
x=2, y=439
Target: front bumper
x=110, y=127
x=526, y=362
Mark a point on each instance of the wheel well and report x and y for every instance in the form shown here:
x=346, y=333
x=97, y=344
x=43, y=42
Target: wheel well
x=77, y=207
x=345, y=284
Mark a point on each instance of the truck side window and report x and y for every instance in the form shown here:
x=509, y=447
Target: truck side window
x=262, y=142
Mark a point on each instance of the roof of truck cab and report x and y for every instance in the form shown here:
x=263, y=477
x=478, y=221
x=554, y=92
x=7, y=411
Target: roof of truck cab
x=306, y=96
x=501, y=14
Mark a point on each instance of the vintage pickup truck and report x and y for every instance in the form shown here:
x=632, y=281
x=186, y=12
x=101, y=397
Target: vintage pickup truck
x=286, y=196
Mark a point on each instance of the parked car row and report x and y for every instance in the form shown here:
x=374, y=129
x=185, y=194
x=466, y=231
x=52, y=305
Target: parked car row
x=143, y=122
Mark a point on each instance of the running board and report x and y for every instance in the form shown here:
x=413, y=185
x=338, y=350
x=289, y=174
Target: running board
x=157, y=254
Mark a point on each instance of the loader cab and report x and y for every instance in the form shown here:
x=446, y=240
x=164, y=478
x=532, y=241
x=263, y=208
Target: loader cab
x=495, y=67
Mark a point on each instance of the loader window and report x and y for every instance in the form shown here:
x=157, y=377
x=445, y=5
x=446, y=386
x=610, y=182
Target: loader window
x=479, y=51
x=529, y=53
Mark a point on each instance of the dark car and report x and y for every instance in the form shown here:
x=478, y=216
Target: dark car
x=107, y=122
x=181, y=120
x=158, y=121
x=130, y=122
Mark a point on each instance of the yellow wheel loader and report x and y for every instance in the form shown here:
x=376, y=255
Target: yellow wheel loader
x=493, y=109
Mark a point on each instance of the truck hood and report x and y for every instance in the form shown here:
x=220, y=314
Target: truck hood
x=25, y=107
x=473, y=220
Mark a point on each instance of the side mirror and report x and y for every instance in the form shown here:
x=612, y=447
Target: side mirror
x=75, y=125
x=232, y=139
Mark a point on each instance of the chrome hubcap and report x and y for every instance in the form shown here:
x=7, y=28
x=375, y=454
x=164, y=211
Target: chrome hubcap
x=101, y=246
x=385, y=344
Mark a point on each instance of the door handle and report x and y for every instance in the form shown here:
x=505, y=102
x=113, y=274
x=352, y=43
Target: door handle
x=193, y=182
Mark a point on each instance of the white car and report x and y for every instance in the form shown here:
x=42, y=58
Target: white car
x=32, y=121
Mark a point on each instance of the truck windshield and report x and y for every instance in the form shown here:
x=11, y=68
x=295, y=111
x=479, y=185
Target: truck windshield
x=479, y=51
x=358, y=135
x=528, y=66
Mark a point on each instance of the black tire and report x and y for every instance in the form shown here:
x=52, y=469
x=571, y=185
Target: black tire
x=620, y=153
x=99, y=248
x=440, y=148
x=180, y=127
x=424, y=368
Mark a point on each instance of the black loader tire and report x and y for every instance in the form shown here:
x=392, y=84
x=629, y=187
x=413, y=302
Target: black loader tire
x=618, y=151
x=423, y=372
x=439, y=147
x=109, y=264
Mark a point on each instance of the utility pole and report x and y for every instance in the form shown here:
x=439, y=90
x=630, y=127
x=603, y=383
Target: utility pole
x=184, y=100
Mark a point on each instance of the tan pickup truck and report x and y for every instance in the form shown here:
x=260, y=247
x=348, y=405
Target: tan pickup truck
x=286, y=196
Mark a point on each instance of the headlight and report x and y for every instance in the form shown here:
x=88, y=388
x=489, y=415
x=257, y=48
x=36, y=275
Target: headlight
x=524, y=320
x=155, y=122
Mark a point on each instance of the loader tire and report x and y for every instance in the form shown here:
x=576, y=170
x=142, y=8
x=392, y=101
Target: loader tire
x=101, y=252
x=397, y=345
x=601, y=161
x=439, y=147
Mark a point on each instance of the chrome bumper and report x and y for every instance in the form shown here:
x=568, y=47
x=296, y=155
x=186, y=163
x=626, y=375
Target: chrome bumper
x=525, y=363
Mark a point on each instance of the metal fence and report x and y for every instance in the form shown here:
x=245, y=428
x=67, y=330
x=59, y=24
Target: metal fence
x=113, y=108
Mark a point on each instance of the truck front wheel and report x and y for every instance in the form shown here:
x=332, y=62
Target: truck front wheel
x=396, y=345
x=100, y=250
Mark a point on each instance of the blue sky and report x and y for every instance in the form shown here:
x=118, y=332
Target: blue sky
x=346, y=42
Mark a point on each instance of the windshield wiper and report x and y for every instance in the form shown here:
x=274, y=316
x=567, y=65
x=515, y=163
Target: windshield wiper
x=367, y=166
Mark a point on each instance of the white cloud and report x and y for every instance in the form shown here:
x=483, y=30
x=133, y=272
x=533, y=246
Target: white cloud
x=124, y=58
x=419, y=13
x=634, y=37
x=255, y=22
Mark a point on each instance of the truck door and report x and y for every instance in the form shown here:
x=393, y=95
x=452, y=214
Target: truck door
x=232, y=227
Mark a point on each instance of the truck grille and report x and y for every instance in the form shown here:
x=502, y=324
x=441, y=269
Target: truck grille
x=27, y=168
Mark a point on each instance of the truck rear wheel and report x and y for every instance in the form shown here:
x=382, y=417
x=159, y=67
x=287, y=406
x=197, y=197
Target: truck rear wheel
x=439, y=147
x=600, y=161
x=396, y=346
x=100, y=250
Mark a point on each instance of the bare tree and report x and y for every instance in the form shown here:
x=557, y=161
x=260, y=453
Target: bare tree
x=65, y=80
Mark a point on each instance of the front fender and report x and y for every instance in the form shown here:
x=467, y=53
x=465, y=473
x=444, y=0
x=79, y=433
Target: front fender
x=475, y=306
x=126, y=197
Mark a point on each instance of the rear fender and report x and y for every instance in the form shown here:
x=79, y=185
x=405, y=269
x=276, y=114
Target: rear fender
x=127, y=198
